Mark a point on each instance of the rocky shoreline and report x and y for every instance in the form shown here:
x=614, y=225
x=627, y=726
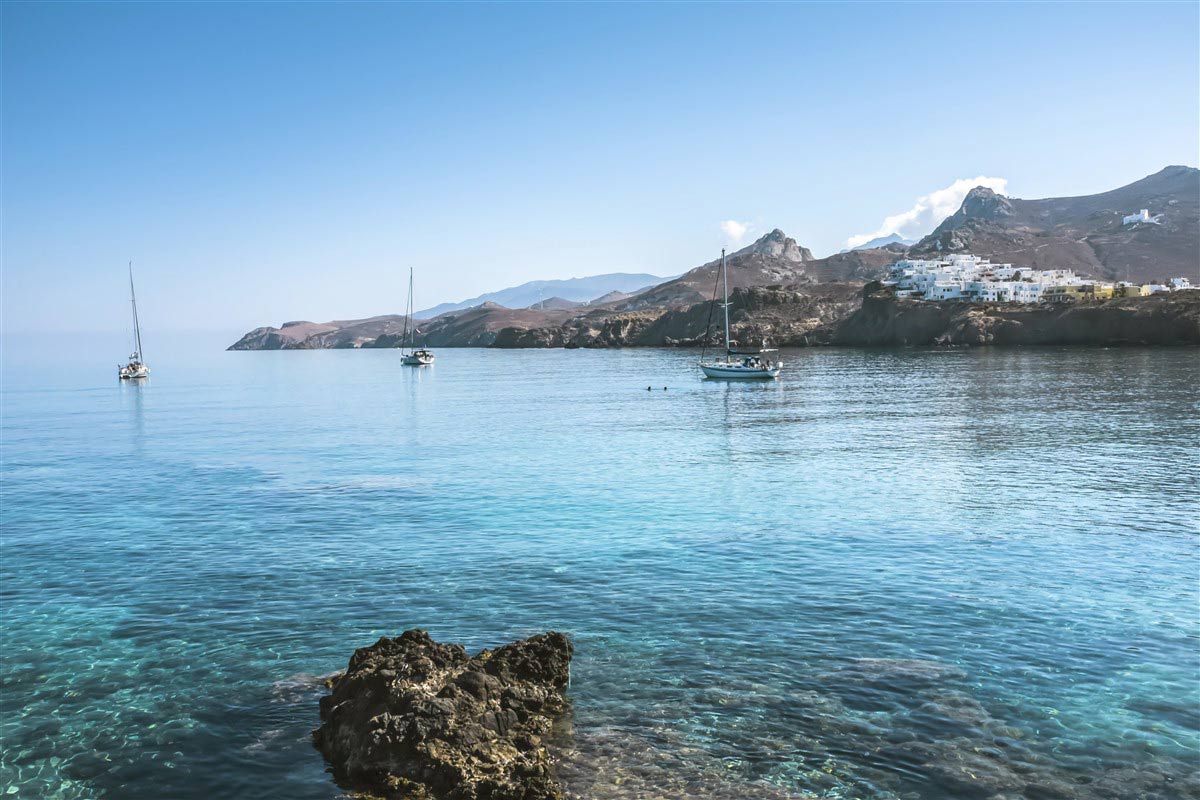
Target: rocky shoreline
x=832, y=314
x=413, y=719
x=887, y=321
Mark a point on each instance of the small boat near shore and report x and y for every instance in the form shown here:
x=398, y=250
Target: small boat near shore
x=137, y=367
x=417, y=356
x=738, y=364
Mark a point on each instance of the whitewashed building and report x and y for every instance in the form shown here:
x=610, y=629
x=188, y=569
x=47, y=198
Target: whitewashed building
x=1141, y=216
x=972, y=278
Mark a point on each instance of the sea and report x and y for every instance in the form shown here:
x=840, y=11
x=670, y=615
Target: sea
x=908, y=574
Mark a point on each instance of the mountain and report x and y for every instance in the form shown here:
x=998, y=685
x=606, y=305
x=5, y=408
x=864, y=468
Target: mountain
x=611, y=297
x=670, y=309
x=476, y=327
x=774, y=258
x=780, y=291
x=304, y=335
x=560, y=303
x=1085, y=233
x=854, y=265
x=883, y=241
x=578, y=290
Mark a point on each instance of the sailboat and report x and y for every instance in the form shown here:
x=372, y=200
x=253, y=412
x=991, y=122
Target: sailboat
x=136, y=368
x=416, y=357
x=738, y=364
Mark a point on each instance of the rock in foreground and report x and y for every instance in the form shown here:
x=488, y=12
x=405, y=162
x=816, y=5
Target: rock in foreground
x=411, y=718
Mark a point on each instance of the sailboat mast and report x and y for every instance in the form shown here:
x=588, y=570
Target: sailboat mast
x=411, y=307
x=137, y=328
x=407, y=314
x=725, y=284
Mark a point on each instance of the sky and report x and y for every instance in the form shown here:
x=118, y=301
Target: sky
x=273, y=161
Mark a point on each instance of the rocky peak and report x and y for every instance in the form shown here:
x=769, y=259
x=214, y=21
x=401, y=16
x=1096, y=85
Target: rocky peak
x=982, y=203
x=1176, y=170
x=956, y=233
x=776, y=244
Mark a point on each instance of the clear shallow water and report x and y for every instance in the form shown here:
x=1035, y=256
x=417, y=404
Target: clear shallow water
x=913, y=574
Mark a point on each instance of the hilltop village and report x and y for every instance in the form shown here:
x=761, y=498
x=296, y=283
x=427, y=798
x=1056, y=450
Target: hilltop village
x=974, y=279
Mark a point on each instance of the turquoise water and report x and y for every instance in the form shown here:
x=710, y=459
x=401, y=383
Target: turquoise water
x=917, y=574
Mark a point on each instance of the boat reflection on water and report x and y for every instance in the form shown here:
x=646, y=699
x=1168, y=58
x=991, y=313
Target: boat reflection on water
x=132, y=391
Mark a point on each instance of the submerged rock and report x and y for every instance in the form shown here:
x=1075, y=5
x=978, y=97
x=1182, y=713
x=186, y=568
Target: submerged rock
x=412, y=718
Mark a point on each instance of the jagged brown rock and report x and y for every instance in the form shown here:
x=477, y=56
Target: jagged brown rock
x=884, y=320
x=412, y=718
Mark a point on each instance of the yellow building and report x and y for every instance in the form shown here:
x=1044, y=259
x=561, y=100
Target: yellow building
x=1063, y=294
x=1130, y=290
x=1078, y=291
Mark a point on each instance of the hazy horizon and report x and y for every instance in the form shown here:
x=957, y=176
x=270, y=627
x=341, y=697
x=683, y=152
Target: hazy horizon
x=270, y=162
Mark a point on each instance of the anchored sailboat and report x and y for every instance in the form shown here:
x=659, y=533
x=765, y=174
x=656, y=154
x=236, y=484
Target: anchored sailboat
x=416, y=357
x=752, y=365
x=136, y=368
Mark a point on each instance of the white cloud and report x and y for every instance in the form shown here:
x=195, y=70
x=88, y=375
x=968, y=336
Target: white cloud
x=929, y=210
x=735, y=230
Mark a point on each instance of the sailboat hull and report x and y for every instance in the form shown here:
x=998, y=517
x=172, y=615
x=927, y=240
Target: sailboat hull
x=738, y=372
x=133, y=372
x=415, y=360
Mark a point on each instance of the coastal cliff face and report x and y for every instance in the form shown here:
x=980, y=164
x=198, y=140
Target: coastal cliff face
x=846, y=314
x=337, y=334
x=887, y=321
x=834, y=314
x=782, y=316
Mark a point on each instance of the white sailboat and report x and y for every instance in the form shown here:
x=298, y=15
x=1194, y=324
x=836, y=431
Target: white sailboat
x=416, y=357
x=136, y=368
x=737, y=364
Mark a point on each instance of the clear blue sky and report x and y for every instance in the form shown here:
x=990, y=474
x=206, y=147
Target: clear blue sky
x=274, y=161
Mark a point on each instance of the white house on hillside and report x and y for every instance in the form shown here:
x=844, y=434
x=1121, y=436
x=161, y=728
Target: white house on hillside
x=1141, y=216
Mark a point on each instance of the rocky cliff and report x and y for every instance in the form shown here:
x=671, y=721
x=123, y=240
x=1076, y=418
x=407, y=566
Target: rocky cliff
x=791, y=316
x=781, y=316
x=321, y=335
x=886, y=321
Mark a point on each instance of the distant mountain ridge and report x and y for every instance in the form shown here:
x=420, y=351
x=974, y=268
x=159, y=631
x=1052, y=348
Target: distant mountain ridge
x=575, y=290
x=775, y=278
x=773, y=260
x=883, y=241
